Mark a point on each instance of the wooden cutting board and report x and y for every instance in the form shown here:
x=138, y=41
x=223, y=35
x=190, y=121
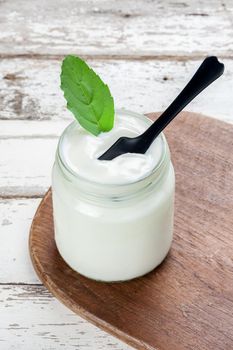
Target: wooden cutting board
x=187, y=302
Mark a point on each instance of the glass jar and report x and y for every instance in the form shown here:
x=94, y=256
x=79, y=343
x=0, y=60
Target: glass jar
x=113, y=232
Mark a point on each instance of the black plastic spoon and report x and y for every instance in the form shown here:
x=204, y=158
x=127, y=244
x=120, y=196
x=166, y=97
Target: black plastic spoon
x=209, y=70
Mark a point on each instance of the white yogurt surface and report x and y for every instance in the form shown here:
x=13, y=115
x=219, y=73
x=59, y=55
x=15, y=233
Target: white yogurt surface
x=81, y=151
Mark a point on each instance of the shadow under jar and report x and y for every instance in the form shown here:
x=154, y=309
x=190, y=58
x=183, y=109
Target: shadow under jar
x=113, y=232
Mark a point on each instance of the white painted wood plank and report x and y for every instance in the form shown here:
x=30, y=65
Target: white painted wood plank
x=29, y=88
x=25, y=166
x=25, y=129
x=15, y=222
x=27, y=147
x=32, y=319
x=120, y=27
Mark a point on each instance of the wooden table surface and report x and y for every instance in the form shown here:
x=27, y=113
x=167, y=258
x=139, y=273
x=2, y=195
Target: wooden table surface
x=146, y=51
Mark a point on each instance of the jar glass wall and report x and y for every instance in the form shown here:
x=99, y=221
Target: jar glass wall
x=113, y=232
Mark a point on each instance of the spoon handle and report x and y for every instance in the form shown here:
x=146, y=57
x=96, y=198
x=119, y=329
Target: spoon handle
x=209, y=70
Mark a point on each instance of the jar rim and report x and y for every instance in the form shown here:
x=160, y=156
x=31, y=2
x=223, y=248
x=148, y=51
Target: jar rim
x=75, y=175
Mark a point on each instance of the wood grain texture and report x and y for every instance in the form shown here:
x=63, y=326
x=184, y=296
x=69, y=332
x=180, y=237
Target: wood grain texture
x=31, y=318
x=119, y=28
x=187, y=302
x=29, y=88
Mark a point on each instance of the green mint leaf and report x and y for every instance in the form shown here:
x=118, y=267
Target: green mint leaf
x=88, y=98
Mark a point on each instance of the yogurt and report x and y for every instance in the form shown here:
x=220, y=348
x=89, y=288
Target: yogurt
x=81, y=150
x=113, y=219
